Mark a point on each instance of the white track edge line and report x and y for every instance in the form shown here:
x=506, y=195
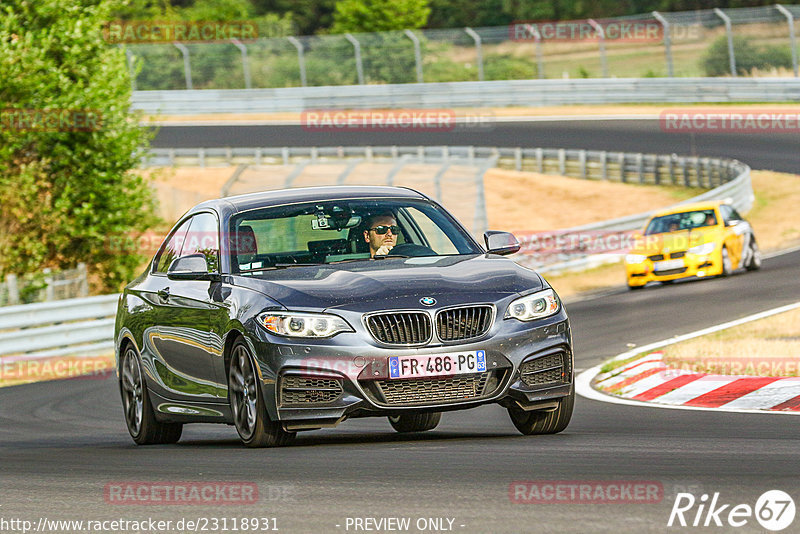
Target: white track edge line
x=583, y=381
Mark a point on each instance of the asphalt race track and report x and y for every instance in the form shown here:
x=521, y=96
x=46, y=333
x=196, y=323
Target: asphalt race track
x=772, y=151
x=62, y=442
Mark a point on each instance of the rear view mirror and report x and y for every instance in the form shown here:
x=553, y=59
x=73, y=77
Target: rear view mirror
x=502, y=243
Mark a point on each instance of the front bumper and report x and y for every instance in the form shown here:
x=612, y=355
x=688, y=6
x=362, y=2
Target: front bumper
x=691, y=265
x=310, y=384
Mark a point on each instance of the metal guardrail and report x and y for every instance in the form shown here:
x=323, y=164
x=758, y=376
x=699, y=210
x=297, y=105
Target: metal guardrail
x=80, y=327
x=469, y=94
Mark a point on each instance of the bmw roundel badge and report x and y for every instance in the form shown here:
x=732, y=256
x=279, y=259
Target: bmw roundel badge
x=427, y=301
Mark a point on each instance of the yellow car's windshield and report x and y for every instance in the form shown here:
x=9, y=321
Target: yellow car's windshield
x=687, y=220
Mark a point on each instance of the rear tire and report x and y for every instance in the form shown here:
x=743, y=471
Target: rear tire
x=139, y=416
x=755, y=257
x=415, y=422
x=249, y=411
x=541, y=422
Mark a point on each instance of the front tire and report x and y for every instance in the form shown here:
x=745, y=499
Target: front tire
x=415, y=422
x=755, y=257
x=727, y=266
x=249, y=411
x=139, y=416
x=541, y=422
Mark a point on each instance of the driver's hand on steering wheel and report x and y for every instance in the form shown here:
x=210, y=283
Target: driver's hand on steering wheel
x=383, y=250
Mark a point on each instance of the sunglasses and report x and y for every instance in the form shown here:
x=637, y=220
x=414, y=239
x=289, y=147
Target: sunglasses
x=382, y=229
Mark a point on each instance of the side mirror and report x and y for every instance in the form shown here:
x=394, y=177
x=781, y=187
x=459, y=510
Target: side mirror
x=732, y=222
x=191, y=267
x=500, y=243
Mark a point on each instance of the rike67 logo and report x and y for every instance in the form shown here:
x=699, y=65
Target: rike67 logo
x=774, y=510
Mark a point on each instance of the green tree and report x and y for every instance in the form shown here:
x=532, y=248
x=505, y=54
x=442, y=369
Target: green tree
x=67, y=187
x=749, y=56
x=379, y=15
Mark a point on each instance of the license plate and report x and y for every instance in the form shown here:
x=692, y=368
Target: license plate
x=437, y=364
x=668, y=265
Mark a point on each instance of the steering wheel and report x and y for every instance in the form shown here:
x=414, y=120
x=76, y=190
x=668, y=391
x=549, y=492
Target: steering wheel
x=411, y=249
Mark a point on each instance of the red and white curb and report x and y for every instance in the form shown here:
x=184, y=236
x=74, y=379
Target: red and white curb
x=648, y=381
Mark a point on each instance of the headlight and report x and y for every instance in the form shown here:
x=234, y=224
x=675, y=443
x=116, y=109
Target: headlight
x=536, y=306
x=303, y=324
x=635, y=258
x=705, y=248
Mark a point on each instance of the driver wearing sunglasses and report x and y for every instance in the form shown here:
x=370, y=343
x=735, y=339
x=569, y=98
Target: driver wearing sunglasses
x=381, y=234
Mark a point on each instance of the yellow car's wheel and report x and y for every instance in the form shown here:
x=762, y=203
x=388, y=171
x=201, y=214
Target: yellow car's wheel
x=727, y=265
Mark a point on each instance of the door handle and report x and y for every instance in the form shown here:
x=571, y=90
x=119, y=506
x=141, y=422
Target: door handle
x=164, y=293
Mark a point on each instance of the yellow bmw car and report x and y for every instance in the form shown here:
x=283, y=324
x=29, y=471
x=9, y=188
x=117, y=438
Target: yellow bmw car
x=692, y=240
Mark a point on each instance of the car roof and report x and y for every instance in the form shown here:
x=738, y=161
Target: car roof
x=707, y=205
x=279, y=197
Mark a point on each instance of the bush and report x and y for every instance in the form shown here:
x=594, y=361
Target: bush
x=749, y=56
x=67, y=188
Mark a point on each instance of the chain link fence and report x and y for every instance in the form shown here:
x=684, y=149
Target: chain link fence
x=757, y=41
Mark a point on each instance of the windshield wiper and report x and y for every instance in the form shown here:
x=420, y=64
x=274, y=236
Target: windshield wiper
x=279, y=266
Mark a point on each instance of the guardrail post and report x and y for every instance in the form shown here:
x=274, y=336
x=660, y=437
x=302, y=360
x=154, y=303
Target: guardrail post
x=790, y=19
x=622, y=167
x=602, y=41
x=667, y=41
x=201, y=156
x=285, y=155
x=518, y=158
x=228, y=155
x=562, y=162
x=537, y=37
x=368, y=153
x=477, y=38
x=656, y=170
x=539, y=160
x=417, y=53
x=685, y=168
x=729, y=32
x=258, y=155
x=13, y=289
x=248, y=83
x=301, y=60
x=471, y=154
x=171, y=157
x=359, y=64
x=187, y=66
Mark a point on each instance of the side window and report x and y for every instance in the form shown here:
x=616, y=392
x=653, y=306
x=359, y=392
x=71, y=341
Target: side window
x=203, y=238
x=735, y=214
x=172, y=248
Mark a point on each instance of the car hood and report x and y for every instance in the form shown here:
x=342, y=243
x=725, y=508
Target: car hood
x=399, y=282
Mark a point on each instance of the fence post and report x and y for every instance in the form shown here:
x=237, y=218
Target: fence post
x=131, y=66
x=359, y=64
x=13, y=289
x=562, y=162
x=640, y=166
x=248, y=83
x=539, y=161
x=301, y=60
x=417, y=53
x=656, y=170
x=83, y=280
x=518, y=158
x=537, y=37
x=602, y=38
x=478, y=51
x=582, y=162
x=49, y=289
x=622, y=167
x=604, y=164
x=667, y=41
x=729, y=32
x=790, y=18
x=187, y=66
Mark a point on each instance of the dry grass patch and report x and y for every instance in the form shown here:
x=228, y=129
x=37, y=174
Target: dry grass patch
x=768, y=347
x=573, y=283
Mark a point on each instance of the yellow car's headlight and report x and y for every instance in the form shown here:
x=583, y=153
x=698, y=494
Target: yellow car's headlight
x=635, y=258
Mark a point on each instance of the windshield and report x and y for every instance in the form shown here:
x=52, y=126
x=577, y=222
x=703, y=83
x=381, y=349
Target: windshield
x=339, y=231
x=687, y=220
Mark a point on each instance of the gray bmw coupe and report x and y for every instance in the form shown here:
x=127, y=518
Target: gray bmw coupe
x=294, y=310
